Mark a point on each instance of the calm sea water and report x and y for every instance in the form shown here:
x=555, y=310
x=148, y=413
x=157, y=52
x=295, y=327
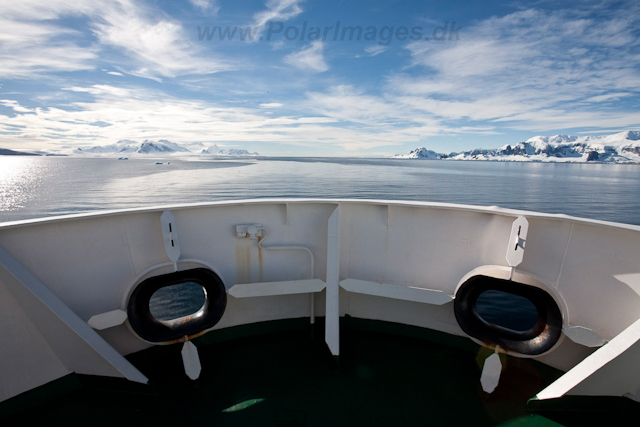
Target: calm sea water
x=32, y=187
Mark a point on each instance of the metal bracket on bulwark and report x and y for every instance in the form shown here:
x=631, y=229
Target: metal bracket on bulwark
x=170, y=237
x=517, y=243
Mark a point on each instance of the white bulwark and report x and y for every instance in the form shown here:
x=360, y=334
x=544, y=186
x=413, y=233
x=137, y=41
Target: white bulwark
x=65, y=282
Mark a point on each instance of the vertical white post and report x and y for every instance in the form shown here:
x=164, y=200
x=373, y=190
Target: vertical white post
x=332, y=320
x=312, y=317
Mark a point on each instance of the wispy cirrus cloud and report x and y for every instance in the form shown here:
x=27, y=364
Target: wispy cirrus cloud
x=156, y=45
x=309, y=58
x=114, y=113
x=34, y=40
x=609, y=97
x=374, y=50
x=277, y=10
x=355, y=108
x=28, y=48
x=531, y=70
x=208, y=7
x=538, y=70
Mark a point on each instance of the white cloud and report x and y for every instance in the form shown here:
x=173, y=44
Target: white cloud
x=38, y=10
x=31, y=43
x=608, y=97
x=209, y=7
x=396, y=116
x=114, y=73
x=372, y=51
x=345, y=103
x=157, y=45
x=28, y=48
x=15, y=106
x=310, y=58
x=277, y=10
x=530, y=70
x=376, y=49
x=101, y=90
x=116, y=113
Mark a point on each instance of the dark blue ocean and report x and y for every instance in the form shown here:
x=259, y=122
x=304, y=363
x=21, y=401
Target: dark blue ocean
x=33, y=187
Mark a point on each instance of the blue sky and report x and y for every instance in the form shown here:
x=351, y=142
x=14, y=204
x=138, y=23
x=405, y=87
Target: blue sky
x=76, y=73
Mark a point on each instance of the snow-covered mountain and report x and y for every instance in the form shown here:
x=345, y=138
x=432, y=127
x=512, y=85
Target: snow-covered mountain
x=147, y=147
x=214, y=150
x=623, y=147
x=421, y=153
x=160, y=147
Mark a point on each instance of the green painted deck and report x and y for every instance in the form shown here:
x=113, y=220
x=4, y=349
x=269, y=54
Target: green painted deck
x=281, y=374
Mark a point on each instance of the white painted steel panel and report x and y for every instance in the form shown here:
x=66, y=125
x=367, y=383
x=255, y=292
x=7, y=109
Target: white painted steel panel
x=90, y=261
x=27, y=360
x=74, y=343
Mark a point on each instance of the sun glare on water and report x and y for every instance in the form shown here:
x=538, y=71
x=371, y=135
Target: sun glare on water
x=18, y=177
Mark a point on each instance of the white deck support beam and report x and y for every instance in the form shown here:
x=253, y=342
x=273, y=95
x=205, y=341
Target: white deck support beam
x=612, y=370
x=332, y=314
x=78, y=347
x=265, y=289
x=406, y=293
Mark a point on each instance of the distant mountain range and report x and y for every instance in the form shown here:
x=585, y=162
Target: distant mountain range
x=623, y=147
x=128, y=147
x=163, y=147
x=217, y=151
x=7, y=152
